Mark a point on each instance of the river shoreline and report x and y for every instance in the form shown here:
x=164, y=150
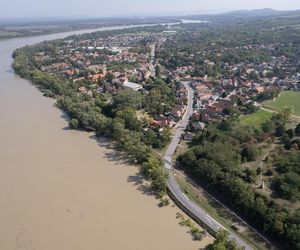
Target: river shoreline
x=60, y=189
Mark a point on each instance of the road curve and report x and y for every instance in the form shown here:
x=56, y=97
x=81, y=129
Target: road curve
x=173, y=187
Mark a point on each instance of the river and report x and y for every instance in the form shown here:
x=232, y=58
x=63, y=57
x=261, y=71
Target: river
x=63, y=190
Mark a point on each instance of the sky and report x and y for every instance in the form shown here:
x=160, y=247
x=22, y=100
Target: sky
x=105, y=8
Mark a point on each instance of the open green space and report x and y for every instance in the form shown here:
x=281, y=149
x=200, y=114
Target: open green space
x=285, y=99
x=257, y=118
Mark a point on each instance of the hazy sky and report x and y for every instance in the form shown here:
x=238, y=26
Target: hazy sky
x=50, y=8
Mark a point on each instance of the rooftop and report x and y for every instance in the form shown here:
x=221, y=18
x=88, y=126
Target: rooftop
x=132, y=85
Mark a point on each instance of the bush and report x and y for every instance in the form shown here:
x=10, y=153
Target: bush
x=197, y=233
x=74, y=123
x=164, y=202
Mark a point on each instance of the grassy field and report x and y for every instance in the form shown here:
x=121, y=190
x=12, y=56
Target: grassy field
x=285, y=99
x=256, y=119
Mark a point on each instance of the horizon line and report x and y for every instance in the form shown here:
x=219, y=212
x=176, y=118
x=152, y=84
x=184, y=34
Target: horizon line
x=144, y=15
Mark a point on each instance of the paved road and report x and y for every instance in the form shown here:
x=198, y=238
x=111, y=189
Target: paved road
x=173, y=187
x=181, y=128
x=152, y=66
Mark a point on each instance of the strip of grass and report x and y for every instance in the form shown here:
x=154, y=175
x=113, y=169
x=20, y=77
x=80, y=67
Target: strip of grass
x=217, y=212
x=256, y=119
x=285, y=99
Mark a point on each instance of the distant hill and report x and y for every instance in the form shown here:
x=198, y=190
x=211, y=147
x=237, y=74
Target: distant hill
x=255, y=12
x=213, y=16
x=244, y=14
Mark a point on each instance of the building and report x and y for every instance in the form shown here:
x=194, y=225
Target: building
x=198, y=126
x=132, y=85
x=188, y=136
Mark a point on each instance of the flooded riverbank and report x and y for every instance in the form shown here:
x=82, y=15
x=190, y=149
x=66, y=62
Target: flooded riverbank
x=60, y=189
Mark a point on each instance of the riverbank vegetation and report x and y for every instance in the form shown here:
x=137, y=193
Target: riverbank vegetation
x=222, y=242
x=113, y=118
x=196, y=233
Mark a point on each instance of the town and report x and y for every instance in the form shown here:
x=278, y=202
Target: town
x=103, y=65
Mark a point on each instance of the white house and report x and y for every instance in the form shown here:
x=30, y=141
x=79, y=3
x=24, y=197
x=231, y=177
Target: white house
x=132, y=85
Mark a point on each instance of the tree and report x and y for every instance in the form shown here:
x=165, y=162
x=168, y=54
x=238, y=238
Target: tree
x=224, y=94
x=250, y=175
x=223, y=243
x=268, y=126
x=279, y=131
x=73, y=123
x=110, y=77
x=153, y=102
x=250, y=152
x=159, y=184
x=243, y=134
x=160, y=97
x=154, y=171
x=290, y=133
x=286, y=113
x=260, y=207
x=117, y=129
x=130, y=120
x=127, y=99
x=149, y=168
x=157, y=70
x=297, y=130
x=286, y=141
x=268, y=94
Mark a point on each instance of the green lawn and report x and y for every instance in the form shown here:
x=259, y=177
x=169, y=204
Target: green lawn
x=285, y=99
x=256, y=119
